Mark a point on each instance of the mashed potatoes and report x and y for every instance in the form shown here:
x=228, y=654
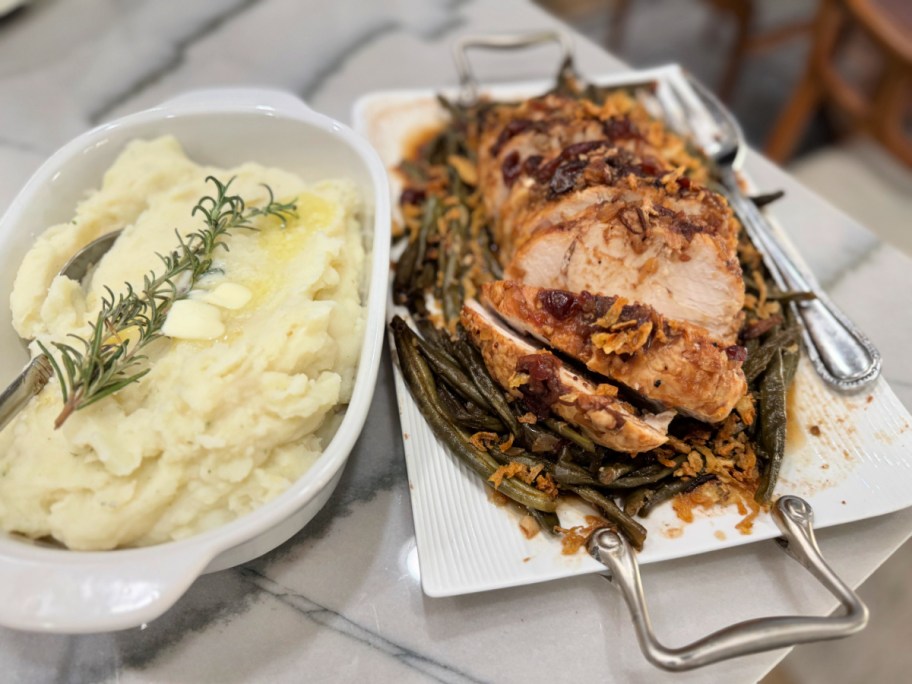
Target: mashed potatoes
x=218, y=426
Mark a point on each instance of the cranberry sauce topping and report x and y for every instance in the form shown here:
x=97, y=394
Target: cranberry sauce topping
x=568, y=154
x=530, y=166
x=736, y=353
x=620, y=128
x=558, y=303
x=412, y=196
x=564, y=178
x=588, y=308
x=562, y=173
x=512, y=129
x=511, y=168
x=544, y=386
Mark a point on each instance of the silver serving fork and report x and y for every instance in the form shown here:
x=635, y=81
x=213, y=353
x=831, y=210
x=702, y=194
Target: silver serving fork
x=38, y=371
x=841, y=354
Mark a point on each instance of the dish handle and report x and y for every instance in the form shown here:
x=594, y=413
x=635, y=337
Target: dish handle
x=794, y=517
x=468, y=84
x=90, y=593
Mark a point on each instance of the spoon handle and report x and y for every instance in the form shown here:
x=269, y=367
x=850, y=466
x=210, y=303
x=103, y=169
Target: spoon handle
x=29, y=382
x=841, y=354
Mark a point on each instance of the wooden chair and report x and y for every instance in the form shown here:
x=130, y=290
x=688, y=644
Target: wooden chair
x=748, y=40
x=879, y=107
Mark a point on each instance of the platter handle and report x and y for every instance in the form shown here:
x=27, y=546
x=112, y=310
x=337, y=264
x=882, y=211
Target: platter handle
x=468, y=84
x=794, y=517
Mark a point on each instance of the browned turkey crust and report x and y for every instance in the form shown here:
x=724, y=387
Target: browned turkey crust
x=547, y=384
x=593, y=174
x=519, y=136
x=643, y=253
x=674, y=363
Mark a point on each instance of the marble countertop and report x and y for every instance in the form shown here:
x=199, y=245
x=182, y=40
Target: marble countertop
x=341, y=601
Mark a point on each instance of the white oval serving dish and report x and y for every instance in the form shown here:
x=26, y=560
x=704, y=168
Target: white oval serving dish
x=55, y=590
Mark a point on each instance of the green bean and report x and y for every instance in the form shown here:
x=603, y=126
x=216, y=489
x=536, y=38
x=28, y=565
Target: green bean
x=418, y=377
x=533, y=436
x=546, y=521
x=569, y=474
x=457, y=113
x=644, y=476
x=667, y=491
x=791, y=296
x=432, y=335
x=635, y=532
x=525, y=459
x=611, y=472
x=458, y=413
x=647, y=475
x=473, y=363
x=439, y=267
x=752, y=346
x=450, y=370
x=428, y=225
x=761, y=201
x=490, y=259
x=566, y=80
x=790, y=360
x=451, y=290
x=412, y=171
x=636, y=499
x=773, y=418
x=437, y=149
x=425, y=279
x=758, y=362
x=567, y=432
x=537, y=440
x=405, y=269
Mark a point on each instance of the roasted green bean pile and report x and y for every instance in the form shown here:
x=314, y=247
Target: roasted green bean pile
x=449, y=252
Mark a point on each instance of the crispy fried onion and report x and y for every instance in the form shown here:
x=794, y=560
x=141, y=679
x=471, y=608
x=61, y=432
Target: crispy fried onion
x=620, y=337
x=533, y=475
x=574, y=538
x=732, y=460
x=626, y=340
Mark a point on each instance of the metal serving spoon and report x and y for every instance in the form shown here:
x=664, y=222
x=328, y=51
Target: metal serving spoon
x=842, y=355
x=38, y=371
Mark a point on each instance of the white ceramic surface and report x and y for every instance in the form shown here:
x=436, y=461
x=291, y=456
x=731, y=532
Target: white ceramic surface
x=855, y=469
x=55, y=590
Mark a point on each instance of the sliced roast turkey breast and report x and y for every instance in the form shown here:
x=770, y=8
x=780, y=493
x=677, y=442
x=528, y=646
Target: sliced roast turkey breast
x=671, y=362
x=546, y=384
x=644, y=256
x=585, y=178
x=515, y=139
x=515, y=145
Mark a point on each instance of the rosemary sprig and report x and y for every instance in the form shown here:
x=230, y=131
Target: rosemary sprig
x=108, y=360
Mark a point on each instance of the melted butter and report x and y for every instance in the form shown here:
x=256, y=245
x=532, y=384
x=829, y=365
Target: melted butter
x=190, y=319
x=277, y=246
x=280, y=244
x=228, y=296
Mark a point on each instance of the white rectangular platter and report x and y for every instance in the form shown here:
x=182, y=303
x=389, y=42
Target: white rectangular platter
x=856, y=463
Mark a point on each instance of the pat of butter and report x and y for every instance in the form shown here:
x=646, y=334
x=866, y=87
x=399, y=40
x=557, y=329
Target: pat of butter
x=189, y=319
x=228, y=296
